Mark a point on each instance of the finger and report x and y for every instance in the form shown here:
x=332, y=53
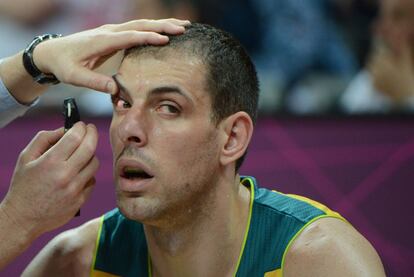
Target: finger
x=64, y=148
x=126, y=39
x=86, y=150
x=40, y=144
x=88, y=78
x=172, y=27
x=78, y=198
x=102, y=59
x=81, y=180
x=86, y=192
x=84, y=77
x=181, y=22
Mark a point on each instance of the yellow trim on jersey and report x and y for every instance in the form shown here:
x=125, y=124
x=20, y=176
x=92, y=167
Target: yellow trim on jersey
x=274, y=273
x=248, y=222
x=97, y=273
x=316, y=204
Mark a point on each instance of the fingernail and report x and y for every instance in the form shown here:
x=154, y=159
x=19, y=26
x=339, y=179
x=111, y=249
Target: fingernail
x=77, y=123
x=110, y=87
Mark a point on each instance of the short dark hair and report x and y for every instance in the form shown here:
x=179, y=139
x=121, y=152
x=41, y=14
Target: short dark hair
x=231, y=76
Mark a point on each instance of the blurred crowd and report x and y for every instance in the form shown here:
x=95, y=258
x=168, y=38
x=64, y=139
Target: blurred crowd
x=313, y=57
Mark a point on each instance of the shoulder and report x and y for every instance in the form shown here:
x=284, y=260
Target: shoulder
x=297, y=208
x=70, y=253
x=331, y=247
x=79, y=243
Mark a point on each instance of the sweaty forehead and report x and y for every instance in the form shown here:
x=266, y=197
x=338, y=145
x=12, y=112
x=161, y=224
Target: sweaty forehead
x=148, y=70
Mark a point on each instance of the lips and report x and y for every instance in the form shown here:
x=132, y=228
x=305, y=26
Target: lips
x=134, y=175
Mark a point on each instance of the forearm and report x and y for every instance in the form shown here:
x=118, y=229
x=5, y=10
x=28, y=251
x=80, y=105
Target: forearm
x=13, y=238
x=19, y=83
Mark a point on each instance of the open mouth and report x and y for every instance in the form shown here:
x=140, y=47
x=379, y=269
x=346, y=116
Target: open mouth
x=131, y=173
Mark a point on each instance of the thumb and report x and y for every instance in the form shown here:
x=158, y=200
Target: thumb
x=40, y=144
x=85, y=77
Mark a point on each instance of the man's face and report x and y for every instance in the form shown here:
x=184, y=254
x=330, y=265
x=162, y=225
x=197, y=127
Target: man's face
x=164, y=142
x=397, y=19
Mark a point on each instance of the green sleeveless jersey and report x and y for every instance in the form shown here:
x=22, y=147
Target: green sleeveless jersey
x=275, y=220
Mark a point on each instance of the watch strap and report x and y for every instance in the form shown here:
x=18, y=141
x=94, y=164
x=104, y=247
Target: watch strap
x=29, y=65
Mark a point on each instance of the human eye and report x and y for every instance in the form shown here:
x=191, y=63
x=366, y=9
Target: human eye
x=168, y=108
x=120, y=103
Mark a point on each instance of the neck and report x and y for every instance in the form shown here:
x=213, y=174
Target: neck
x=210, y=242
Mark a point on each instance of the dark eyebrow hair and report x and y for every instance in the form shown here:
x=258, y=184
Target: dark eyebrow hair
x=171, y=89
x=118, y=83
x=157, y=90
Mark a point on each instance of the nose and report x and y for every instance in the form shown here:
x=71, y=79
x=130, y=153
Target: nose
x=132, y=128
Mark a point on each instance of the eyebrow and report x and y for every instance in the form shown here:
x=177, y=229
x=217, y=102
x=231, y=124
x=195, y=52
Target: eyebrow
x=157, y=90
x=119, y=84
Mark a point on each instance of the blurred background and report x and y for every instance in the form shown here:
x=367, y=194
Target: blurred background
x=336, y=104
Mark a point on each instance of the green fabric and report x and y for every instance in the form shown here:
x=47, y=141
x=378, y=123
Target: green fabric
x=122, y=246
x=276, y=218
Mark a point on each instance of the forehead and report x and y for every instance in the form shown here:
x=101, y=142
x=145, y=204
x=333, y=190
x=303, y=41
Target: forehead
x=144, y=72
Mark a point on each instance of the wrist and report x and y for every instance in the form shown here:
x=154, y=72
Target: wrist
x=18, y=82
x=14, y=239
x=17, y=224
x=41, y=56
x=30, y=65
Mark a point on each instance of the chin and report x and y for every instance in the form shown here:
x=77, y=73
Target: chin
x=137, y=208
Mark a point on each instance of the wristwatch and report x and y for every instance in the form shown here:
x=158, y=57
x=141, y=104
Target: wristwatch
x=29, y=65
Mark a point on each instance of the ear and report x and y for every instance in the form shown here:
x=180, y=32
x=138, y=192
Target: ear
x=237, y=132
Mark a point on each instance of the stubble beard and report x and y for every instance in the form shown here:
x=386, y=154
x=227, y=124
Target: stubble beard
x=174, y=207
x=180, y=201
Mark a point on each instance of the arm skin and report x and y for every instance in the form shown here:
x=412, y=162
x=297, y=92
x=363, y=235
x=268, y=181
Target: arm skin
x=69, y=254
x=54, y=173
x=332, y=247
x=72, y=59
